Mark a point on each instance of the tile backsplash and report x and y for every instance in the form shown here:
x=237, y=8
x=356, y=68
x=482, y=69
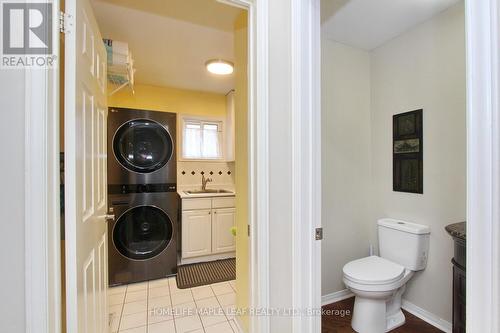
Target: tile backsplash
x=189, y=173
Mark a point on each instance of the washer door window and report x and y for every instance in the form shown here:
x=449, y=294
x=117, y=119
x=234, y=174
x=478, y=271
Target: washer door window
x=142, y=232
x=142, y=145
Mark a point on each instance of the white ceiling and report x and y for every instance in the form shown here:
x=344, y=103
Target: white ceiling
x=367, y=24
x=167, y=50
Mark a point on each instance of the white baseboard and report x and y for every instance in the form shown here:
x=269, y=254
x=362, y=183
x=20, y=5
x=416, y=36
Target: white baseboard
x=336, y=296
x=426, y=316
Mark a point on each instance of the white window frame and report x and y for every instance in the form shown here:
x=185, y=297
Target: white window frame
x=202, y=120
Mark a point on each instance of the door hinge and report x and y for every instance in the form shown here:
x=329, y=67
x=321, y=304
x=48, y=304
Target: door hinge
x=319, y=233
x=65, y=22
x=248, y=230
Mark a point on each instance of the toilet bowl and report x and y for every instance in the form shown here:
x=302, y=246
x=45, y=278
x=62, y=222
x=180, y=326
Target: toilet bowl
x=378, y=282
x=378, y=285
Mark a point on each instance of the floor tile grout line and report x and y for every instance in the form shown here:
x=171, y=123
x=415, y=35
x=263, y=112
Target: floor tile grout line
x=121, y=311
x=219, y=306
x=123, y=306
x=195, y=301
x=224, y=312
x=171, y=303
x=197, y=312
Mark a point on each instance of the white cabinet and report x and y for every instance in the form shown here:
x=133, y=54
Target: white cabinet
x=206, y=228
x=196, y=233
x=222, y=238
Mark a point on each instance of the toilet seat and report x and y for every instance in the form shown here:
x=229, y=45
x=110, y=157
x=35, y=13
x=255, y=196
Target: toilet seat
x=373, y=270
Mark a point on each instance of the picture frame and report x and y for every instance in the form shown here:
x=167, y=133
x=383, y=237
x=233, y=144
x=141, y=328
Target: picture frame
x=407, y=152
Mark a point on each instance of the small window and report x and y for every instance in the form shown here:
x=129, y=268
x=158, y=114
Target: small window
x=202, y=140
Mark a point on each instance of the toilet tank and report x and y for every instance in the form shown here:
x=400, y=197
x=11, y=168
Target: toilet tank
x=404, y=243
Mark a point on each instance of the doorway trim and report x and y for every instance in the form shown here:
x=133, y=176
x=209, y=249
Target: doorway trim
x=258, y=115
x=306, y=163
x=41, y=203
x=483, y=165
x=42, y=216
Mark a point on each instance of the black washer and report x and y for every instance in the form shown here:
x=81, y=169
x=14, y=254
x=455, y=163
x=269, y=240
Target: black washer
x=142, y=232
x=142, y=145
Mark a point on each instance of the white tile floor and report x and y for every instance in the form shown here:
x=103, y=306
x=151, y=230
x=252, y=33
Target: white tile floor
x=160, y=307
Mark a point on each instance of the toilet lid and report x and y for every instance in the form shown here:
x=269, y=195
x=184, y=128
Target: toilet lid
x=373, y=270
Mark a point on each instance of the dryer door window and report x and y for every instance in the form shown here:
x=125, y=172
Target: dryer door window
x=142, y=232
x=142, y=145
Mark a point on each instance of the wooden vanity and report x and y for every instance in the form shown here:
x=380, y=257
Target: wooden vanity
x=458, y=232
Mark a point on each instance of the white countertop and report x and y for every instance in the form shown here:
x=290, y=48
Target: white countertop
x=182, y=192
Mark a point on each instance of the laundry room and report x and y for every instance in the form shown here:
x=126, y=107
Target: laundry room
x=176, y=136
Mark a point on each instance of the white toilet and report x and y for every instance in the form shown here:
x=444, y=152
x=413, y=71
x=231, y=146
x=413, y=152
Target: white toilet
x=379, y=282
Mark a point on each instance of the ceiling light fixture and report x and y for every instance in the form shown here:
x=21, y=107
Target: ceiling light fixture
x=219, y=66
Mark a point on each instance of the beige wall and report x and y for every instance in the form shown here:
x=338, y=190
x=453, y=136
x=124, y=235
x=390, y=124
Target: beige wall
x=346, y=159
x=423, y=68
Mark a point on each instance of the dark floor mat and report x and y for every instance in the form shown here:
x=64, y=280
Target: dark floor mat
x=203, y=273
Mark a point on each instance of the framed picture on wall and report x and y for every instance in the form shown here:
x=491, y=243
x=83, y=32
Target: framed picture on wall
x=407, y=152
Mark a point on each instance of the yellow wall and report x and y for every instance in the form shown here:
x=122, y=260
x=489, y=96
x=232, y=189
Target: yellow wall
x=241, y=180
x=167, y=99
x=170, y=100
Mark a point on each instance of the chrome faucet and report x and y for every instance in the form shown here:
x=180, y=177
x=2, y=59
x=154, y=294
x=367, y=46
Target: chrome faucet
x=204, y=182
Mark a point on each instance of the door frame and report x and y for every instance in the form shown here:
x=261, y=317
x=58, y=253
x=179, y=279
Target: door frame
x=42, y=215
x=41, y=204
x=483, y=165
x=258, y=113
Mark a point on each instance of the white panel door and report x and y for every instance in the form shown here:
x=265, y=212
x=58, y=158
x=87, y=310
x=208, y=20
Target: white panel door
x=222, y=238
x=196, y=233
x=85, y=172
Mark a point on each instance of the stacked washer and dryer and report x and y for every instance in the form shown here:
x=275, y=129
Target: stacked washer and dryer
x=142, y=193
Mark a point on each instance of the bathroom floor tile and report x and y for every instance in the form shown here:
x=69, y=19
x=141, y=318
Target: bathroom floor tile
x=159, y=303
x=227, y=299
x=158, y=283
x=116, y=299
x=133, y=321
x=134, y=296
x=222, y=288
x=159, y=306
x=142, y=329
x=135, y=307
x=162, y=327
x=184, y=296
x=223, y=327
x=159, y=291
x=187, y=324
x=185, y=309
x=202, y=292
x=159, y=316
